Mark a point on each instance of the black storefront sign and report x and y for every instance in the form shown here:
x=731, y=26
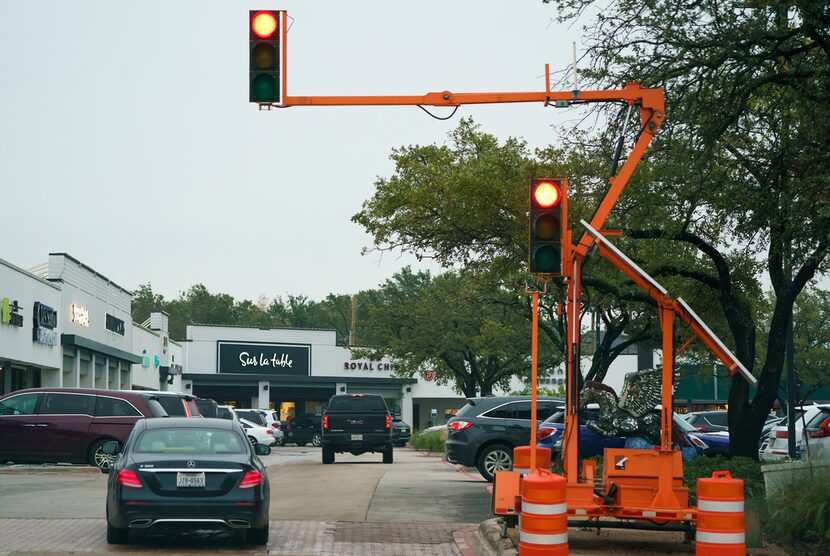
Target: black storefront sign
x=264, y=358
x=44, y=322
x=115, y=324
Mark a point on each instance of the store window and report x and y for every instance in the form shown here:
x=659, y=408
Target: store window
x=69, y=359
x=86, y=363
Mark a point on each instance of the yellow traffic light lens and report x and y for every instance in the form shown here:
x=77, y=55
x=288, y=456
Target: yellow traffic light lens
x=264, y=24
x=264, y=55
x=546, y=227
x=546, y=194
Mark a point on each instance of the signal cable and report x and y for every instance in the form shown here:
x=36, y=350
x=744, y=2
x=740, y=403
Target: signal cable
x=438, y=117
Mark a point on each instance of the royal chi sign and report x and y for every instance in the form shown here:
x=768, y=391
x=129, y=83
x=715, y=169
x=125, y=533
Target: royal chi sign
x=264, y=358
x=368, y=366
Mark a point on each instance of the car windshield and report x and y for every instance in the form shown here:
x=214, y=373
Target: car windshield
x=558, y=417
x=357, y=404
x=172, y=405
x=683, y=424
x=189, y=440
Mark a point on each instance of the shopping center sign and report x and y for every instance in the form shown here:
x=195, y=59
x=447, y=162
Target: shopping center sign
x=264, y=358
x=44, y=323
x=10, y=312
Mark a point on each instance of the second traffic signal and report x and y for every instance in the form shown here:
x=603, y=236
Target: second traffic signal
x=264, y=56
x=545, y=248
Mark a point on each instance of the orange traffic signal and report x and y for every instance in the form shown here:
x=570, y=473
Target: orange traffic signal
x=264, y=56
x=545, y=247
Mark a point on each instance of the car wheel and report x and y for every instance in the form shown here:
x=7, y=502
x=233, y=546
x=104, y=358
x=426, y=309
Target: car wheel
x=258, y=536
x=115, y=535
x=401, y=444
x=98, y=458
x=328, y=455
x=252, y=440
x=301, y=444
x=387, y=454
x=316, y=440
x=496, y=457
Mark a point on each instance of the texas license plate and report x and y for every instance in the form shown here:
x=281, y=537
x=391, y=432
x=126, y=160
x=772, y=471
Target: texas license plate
x=357, y=437
x=190, y=480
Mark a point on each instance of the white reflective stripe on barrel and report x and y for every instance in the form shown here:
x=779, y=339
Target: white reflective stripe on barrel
x=720, y=538
x=521, y=470
x=544, y=509
x=720, y=506
x=537, y=538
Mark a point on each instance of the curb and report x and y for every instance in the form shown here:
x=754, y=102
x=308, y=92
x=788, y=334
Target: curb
x=22, y=468
x=494, y=545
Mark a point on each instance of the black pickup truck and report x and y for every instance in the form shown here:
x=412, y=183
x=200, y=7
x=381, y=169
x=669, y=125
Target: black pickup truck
x=357, y=423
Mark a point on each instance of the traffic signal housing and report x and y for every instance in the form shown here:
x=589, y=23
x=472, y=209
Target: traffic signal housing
x=264, y=56
x=545, y=248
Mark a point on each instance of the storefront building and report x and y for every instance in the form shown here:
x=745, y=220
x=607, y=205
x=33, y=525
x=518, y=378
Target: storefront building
x=30, y=328
x=161, y=357
x=95, y=327
x=296, y=371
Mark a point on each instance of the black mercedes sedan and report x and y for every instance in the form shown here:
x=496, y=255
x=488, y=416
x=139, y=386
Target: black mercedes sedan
x=190, y=473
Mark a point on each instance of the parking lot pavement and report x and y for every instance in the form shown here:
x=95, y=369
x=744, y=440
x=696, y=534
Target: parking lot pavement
x=358, y=506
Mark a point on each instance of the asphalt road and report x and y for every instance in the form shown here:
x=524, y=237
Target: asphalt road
x=354, y=505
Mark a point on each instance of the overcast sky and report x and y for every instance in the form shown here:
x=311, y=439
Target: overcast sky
x=126, y=137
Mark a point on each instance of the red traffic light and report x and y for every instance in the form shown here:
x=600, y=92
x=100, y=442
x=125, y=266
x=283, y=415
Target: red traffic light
x=264, y=24
x=546, y=194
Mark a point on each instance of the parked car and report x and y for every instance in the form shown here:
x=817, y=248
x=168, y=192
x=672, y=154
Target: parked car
x=592, y=444
x=253, y=415
x=226, y=412
x=708, y=421
x=190, y=473
x=176, y=404
x=775, y=447
x=258, y=434
x=401, y=432
x=71, y=425
x=484, y=432
x=207, y=407
x=816, y=435
x=357, y=423
x=303, y=429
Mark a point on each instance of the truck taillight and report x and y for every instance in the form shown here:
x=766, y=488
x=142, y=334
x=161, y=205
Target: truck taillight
x=459, y=425
x=388, y=423
x=823, y=431
x=129, y=478
x=325, y=422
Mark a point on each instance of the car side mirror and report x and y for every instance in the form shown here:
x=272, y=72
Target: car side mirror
x=110, y=448
x=262, y=450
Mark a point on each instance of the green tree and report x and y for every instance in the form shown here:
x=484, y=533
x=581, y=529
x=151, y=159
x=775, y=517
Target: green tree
x=469, y=334
x=741, y=167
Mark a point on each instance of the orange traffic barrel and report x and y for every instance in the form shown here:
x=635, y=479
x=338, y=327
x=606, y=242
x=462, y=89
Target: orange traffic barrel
x=543, y=522
x=720, y=516
x=521, y=459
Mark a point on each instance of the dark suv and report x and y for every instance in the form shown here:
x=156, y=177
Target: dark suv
x=303, y=429
x=71, y=424
x=484, y=432
x=708, y=421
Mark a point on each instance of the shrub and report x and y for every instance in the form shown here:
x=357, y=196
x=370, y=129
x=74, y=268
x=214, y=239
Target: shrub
x=800, y=511
x=430, y=441
x=743, y=468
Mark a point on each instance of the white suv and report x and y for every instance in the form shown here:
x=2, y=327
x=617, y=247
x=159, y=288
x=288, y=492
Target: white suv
x=775, y=447
x=816, y=435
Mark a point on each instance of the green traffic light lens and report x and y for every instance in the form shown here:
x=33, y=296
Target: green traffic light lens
x=547, y=259
x=264, y=88
x=264, y=56
x=546, y=227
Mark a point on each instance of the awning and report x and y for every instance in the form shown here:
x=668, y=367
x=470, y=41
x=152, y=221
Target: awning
x=98, y=347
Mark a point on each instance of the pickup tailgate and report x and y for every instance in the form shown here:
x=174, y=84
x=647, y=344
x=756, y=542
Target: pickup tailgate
x=357, y=422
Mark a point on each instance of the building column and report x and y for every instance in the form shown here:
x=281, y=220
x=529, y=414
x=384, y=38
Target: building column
x=406, y=404
x=263, y=397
